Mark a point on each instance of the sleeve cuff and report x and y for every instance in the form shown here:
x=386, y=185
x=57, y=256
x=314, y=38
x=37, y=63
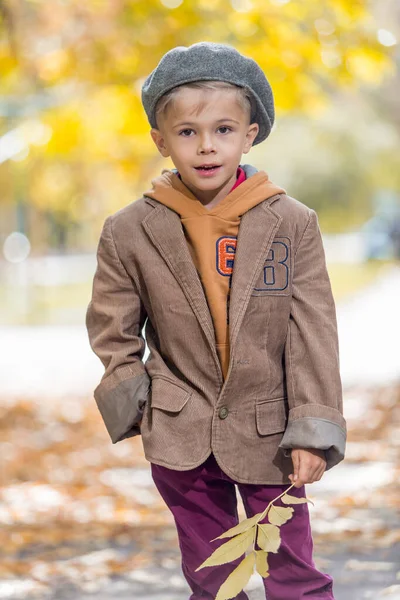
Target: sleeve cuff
x=318, y=433
x=122, y=406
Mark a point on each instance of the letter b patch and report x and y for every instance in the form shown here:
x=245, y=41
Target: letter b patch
x=276, y=272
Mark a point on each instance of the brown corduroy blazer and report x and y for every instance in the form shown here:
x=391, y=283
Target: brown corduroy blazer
x=283, y=388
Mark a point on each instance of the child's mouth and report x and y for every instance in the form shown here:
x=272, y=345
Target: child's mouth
x=207, y=171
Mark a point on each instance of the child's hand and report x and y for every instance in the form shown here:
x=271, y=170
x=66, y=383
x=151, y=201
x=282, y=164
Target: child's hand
x=309, y=465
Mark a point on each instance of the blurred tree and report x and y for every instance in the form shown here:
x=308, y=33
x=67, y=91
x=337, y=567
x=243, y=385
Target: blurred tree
x=72, y=73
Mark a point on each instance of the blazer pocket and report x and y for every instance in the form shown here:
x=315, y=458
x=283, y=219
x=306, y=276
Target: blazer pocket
x=168, y=395
x=271, y=416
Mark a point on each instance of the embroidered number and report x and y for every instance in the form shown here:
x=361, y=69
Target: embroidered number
x=225, y=255
x=276, y=269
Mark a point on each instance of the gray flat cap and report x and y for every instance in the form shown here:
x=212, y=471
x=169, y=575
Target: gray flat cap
x=209, y=61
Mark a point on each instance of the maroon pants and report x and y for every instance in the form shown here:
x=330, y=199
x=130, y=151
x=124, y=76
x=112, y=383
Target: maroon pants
x=203, y=503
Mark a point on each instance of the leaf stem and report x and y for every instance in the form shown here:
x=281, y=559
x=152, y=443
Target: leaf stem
x=283, y=493
x=266, y=510
x=277, y=498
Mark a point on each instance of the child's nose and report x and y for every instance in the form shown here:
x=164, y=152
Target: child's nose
x=206, y=145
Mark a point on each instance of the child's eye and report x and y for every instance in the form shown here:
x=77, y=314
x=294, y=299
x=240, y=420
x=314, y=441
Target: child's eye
x=225, y=127
x=184, y=131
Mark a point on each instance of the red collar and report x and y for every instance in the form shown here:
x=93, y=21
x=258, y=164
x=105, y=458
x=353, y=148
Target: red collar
x=240, y=177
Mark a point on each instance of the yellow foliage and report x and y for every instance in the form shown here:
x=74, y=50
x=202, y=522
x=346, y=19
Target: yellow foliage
x=237, y=579
x=366, y=64
x=230, y=550
x=278, y=515
x=288, y=499
x=243, y=525
x=269, y=537
x=262, y=563
x=251, y=531
x=85, y=81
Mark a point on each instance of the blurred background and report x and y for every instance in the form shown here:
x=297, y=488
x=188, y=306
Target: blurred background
x=80, y=517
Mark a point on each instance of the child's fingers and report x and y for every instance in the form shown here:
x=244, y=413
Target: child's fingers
x=314, y=474
x=303, y=475
x=304, y=471
x=297, y=483
x=318, y=471
x=296, y=467
x=321, y=471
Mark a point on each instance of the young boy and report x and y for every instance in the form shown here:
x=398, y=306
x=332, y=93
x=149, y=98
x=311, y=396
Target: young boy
x=227, y=273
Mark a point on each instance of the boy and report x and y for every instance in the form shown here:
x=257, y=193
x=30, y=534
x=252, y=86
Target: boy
x=227, y=272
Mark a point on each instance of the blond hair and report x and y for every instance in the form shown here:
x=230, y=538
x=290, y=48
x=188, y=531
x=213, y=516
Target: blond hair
x=242, y=96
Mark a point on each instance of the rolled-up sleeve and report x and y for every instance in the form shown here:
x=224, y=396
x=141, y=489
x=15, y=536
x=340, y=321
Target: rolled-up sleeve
x=115, y=318
x=311, y=355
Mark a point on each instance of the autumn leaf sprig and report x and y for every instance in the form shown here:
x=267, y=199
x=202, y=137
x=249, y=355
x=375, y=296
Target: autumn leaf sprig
x=245, y=535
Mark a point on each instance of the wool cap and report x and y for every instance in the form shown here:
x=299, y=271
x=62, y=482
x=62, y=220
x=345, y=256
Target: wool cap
x=209, y=61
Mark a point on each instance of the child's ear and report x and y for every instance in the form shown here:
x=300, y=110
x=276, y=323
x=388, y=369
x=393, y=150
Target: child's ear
x=159, y=141
x=251, y=135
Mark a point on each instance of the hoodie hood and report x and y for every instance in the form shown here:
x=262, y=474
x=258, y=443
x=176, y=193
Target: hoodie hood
x=171, y=191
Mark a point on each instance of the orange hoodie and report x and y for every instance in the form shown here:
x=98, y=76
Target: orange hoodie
x=211, y=235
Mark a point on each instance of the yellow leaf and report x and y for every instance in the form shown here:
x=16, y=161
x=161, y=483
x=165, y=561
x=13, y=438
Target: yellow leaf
x=236, y=581
x=262, y=563
x=269, y=537
x=278, y=515
x=288, y=499
x=243, y=525
x=230, y=550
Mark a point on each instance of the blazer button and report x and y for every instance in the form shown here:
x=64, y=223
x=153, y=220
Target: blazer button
x=223, y=412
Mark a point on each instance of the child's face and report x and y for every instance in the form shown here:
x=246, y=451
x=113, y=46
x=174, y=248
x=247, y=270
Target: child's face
x=218, y=135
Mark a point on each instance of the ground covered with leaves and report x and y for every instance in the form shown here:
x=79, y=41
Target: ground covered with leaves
x=80, y=517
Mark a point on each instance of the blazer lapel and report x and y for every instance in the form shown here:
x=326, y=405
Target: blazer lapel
x=165, y=230
x=256, y=233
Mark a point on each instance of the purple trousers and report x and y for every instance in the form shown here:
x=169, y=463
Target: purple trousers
x=204, y=505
